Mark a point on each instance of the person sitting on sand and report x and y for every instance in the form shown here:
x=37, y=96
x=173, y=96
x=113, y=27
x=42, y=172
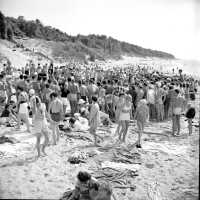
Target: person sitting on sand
x=40, y=126
x=83, y=186
x=141, y=115
x=9, y=113
x=94, y=118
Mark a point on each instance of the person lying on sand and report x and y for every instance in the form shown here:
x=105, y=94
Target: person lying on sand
x=76, y=125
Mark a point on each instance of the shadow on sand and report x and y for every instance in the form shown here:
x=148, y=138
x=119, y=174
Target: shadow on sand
x=20, y=162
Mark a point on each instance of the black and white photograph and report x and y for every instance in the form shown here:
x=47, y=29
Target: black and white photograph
x=99, y=99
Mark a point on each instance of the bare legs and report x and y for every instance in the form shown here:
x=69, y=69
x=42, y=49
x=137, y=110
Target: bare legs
x=93, y=132
x=176, y=125
x=23, y=117
x=140, y=126
x=190, y=126
x=56, y=133
x=41, y=147
x=125, y=131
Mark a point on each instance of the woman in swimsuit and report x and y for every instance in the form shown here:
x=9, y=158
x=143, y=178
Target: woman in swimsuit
x=40, y=125
x=125, y=117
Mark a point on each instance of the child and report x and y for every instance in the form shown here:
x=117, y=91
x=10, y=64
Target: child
x=141, y=115
x=83, y=186
x=190, y=114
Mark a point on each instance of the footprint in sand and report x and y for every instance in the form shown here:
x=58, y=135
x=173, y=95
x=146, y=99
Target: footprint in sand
x=46, y=174
x=149, y=165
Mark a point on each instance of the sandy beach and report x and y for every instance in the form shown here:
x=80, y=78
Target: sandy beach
x=172, y=163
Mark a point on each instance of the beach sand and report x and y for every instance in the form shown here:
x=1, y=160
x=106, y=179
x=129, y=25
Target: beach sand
x=171, y=162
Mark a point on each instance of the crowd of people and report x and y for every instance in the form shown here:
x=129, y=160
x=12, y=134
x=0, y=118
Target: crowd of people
x=118, y=94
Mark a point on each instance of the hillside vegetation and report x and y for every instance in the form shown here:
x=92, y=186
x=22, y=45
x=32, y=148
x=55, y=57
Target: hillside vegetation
x=66, y=46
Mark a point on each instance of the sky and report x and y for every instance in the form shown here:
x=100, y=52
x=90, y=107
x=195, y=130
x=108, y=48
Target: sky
x=172, y=26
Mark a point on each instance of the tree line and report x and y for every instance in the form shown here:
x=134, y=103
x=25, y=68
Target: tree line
x=11, y=27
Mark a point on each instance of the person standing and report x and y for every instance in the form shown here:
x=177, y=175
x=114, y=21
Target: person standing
x=133, y=94
x=118, y=110
x=23, y=112
x=141, y=116
x=40, y=125
x=159, y=94
x=177, y=108
x=83, y=90
x=125, y=117
x=73, y=95
x=151, y=102
x=94, y=118
x=56, y=115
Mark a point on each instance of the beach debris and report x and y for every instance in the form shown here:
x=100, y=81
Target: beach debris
x=125, y=156
x=121, y=179
x=80, y=157
x=4, y=139
x=120, y=166
x=2, y=154
x=165, y=148
x=77, y=136
x=46, y=174
x=149, y=165
x=153, y=192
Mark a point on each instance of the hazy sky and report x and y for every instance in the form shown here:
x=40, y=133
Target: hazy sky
x=168, y=25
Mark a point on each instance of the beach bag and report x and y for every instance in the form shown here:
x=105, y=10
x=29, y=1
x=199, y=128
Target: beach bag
x=190, y=114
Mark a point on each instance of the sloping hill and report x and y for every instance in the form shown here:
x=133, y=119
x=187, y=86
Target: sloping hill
x=19, y=56
x=61, y=46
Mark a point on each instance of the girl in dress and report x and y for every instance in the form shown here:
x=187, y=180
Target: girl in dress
x=141, y=115
x=40, y=125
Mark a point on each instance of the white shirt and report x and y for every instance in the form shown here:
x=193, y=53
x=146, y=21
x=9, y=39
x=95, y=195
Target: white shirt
x=23, y=108
x=151, y=96
x=66, y=103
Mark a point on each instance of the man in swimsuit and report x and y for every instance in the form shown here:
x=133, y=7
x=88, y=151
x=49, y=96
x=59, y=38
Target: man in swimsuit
x=56, y=115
